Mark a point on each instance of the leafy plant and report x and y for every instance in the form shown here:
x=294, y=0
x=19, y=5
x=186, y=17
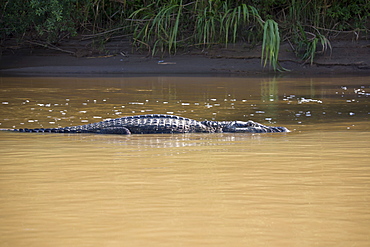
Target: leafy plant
x=165, y=25
x=271, y=44
x=51, y=18
x=15, y=18
x=347, y=15
x=159, y=29
x=309, y=46
x=239, y=16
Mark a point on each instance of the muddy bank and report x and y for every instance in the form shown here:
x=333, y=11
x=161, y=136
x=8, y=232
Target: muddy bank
x=120, y=59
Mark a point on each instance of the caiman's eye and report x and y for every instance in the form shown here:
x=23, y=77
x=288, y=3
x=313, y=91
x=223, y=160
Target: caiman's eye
x=240, y=124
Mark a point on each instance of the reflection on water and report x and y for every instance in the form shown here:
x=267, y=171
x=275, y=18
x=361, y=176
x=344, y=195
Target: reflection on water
x=52, y=102
x=305, y=188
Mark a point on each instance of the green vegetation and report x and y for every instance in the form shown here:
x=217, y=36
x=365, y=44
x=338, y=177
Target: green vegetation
x=164, y=26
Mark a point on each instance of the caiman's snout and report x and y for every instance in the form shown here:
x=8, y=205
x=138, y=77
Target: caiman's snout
x=283, y=129
x=253, y=127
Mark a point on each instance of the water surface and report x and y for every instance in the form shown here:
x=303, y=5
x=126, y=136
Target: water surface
x=309, y=187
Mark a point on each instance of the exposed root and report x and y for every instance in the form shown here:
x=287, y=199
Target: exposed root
x=50, y=46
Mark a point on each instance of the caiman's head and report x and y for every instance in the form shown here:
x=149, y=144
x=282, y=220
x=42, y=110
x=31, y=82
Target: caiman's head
x=253, y=127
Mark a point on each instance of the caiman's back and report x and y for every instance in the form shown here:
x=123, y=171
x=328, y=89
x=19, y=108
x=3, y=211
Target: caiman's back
x=161, y=124
x=166, y=124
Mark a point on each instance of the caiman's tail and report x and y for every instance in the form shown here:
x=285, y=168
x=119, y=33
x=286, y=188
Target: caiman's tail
x=46, y=130
x=106, y=130
x=8, y=130
x=42, y=130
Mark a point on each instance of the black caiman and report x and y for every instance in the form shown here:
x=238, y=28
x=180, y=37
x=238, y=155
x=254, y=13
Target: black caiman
x=161, y=124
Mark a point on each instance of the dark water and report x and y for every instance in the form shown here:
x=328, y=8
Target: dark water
x=309, y=187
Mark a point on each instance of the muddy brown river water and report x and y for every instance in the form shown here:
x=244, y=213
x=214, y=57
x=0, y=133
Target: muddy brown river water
x=310, y=187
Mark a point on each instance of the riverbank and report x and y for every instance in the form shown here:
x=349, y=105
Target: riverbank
x=120, y=59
